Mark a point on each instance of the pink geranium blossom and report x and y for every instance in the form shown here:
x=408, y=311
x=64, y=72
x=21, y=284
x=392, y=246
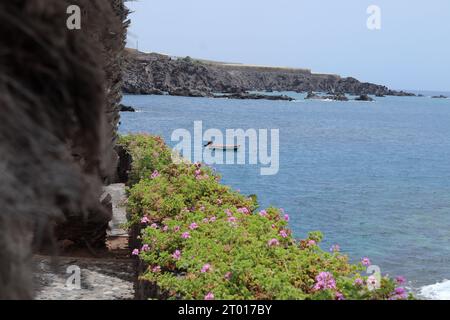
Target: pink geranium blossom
x=176, y=255
x=145, y=220
x=156, y=269
x=400, y=280
x=176, y=228
x=206, y=268
x=263, y=213
x=232, y=219
x=154, y=226
x=273, y=242
x=135, y=252
x=155, y=174
x=359, y=282
x=365, y=262
x=145, y=248
x=186, y=235
x=325, y=280
x=227, y=276
x=193, y=226
x=212, y=219
x=311, y=243
x=283, y=234
x=209, y=296
x=339, y=296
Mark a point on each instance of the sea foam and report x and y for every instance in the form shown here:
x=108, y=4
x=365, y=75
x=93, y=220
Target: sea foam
x=438, y=291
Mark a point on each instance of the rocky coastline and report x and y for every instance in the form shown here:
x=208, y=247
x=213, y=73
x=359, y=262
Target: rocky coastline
x=157, y=74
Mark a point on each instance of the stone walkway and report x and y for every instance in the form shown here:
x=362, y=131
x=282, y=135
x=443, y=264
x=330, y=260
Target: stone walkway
x=99, y=279
x=107, y=277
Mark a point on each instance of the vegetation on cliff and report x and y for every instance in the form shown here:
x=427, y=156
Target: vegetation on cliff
x=203, y=240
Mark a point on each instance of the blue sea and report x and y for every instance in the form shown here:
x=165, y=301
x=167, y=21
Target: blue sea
x=374, y=177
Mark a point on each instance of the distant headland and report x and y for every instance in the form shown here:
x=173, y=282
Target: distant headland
x=155, y=73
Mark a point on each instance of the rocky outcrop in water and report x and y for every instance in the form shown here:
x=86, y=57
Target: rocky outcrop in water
x=147, y=73
x=364, y=97
x=255, y=96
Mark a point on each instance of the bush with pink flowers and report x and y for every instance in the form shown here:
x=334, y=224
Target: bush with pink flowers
x=203, y=240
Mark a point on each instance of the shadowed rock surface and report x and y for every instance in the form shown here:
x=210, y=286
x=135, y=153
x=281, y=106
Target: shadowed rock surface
x=147, y=73
x=59, y=91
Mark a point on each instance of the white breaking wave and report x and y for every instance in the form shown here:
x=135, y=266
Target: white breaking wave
x=438, y=291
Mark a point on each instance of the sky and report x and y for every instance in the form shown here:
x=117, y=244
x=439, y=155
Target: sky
x=411, y=51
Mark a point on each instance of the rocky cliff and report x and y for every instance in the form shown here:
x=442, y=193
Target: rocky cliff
x=152, y=73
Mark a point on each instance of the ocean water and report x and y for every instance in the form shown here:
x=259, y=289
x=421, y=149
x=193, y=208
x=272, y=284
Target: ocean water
x=374, y=177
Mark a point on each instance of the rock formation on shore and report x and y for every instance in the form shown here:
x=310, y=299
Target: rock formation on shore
x=150, y=73
x=59, y=94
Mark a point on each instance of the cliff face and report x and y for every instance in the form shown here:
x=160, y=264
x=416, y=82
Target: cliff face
x=59, y=91
x=152, y=73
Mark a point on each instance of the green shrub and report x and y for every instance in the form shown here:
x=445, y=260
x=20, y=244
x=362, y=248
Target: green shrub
x=202, y=240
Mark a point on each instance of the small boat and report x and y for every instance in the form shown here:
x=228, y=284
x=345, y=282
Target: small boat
x=224, y=147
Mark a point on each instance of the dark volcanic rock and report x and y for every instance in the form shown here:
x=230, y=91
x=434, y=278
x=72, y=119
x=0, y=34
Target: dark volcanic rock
x=364, y=97
x=145, y=73
x=254, y=96
x=124, y=108
x=312, y=95
x=330, y=96
x=186, y=92
x=439, y=97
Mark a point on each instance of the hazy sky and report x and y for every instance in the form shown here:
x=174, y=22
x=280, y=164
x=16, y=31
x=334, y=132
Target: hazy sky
x=411, y=51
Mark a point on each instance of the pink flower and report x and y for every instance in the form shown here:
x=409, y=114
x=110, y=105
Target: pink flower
x=198, y=172
x=193, y=226
x=232, y=219
x=165, y=229
x=209, y=296
x=154, y=226
x=212, y=219
x=286, y=218
x=324, y=281
x=311, y=243
x=228, y=212
x=145, y=220
x=185, y=235
x=339, y=296
x=219, y=201
x=155, y=174
x=263, y=213
x=206, y=268
x=283, y=234
x=273, y=242
x=176, y=228
x=365, y=262
x=135, y=252
x=176, y=255
x=206, y=220
x=359, y=282
x=243, y=210
x=400, y=280
x=145, y=248
x=227, y=276
x=202, y=208
x=335, y=248
x=156, y=269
